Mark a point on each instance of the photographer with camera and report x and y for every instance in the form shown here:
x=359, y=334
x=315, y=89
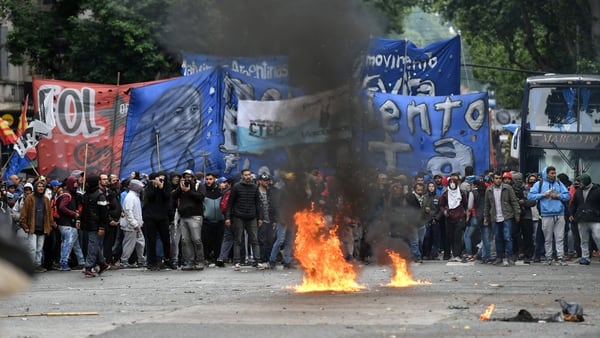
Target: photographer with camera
x=190, y=200
x=155, y=210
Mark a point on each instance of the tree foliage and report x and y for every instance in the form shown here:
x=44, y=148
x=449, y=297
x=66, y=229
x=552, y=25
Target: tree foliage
x=87, y=40
x=545, y=36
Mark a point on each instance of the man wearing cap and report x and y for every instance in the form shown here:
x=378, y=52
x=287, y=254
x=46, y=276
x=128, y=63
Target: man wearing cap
x=244, y=213
x=16, y=213
x=585, y=209
x=19, y=186
x=36, y=221
x=270, y=211
x=69, y=208
x=189, y=197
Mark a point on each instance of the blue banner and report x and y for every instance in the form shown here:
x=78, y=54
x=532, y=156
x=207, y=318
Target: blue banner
x=400, y=67
x=433, y=134
x=15, y=165
x=174, y=125
x=270, y=68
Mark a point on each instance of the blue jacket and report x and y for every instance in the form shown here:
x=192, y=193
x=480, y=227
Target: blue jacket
x=549, y=206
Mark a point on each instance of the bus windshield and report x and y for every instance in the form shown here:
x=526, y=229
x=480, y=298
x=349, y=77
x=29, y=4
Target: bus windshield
x=565, y=109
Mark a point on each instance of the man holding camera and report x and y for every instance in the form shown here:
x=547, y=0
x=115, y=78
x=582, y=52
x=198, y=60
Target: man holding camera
x=189, y=197
x=155, y=211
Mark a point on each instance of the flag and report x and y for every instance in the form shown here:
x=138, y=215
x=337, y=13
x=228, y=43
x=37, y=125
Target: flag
x=7, y=135
x=15, y=165
x=23, y=118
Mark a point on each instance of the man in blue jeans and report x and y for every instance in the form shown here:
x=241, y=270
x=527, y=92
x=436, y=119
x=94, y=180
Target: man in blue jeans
x=69, y=207
x=501, y=208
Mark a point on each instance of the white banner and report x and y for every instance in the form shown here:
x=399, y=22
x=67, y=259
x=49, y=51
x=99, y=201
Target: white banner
x=318, y=118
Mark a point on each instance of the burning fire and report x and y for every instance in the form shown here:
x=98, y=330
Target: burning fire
x=319, y=252
x=402, y=277
x=487, y=314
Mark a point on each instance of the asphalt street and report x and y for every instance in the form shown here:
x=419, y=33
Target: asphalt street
x=220, y=302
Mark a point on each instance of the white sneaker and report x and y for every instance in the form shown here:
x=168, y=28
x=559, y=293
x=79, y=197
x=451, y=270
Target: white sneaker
x=237, y=267
x=504, y=262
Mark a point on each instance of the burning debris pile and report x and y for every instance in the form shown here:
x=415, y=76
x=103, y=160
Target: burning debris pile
x=571, y=312
x=318, y=250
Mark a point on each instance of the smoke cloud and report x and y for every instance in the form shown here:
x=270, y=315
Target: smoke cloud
x=324, y=41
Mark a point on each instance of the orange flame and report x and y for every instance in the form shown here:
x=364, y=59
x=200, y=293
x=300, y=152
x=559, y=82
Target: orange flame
x=319, y=253
x=487, y=314
x=401, y=278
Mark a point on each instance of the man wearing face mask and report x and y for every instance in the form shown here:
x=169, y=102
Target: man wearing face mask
x=453, y=205
x=585, y=209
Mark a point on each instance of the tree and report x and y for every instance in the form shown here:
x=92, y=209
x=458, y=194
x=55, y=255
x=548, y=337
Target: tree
x=92, y=41
x=559, y=36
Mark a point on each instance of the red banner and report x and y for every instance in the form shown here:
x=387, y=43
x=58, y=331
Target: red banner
x=86, y=123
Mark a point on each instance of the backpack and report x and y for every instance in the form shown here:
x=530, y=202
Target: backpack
x=54, y=205
x=224, y=201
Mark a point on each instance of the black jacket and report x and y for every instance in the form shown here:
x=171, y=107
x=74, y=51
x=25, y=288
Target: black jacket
x=244, y=202
x=588, y=210
x=190, y=202
x=156, y=202
x=95, y=207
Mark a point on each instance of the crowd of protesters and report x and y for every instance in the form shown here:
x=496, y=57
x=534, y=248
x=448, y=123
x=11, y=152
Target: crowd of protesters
x=190, y=220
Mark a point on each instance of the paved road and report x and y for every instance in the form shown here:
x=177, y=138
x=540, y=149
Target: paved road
x=219, y=302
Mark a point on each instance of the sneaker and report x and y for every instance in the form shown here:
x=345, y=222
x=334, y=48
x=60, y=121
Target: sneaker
x=272, y=265
x=199, y=267
x=187, y=267
x=237, y=267
x=153, y=267
x=79, y=267
x=65, y=267
x=537, y=260
x=498, y=261
x=87, y=272
x=505, y=262
x=562, y=262
x=220, y=263
x=262, y=266
x=103, y=268
x=511, y=262
x=40, y=269
x=548, y=262
x=584, y=261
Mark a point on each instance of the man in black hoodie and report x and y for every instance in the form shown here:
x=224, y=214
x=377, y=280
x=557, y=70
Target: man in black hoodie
x=155, y=211
x=94, y=220
x=244, y=213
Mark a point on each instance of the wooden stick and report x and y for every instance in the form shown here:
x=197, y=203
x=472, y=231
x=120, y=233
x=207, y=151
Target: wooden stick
x=85, y=160
x=158, y=152
x=49, y=314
